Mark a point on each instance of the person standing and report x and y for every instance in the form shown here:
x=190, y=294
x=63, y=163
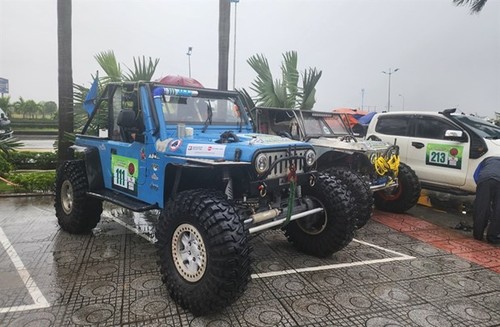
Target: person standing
x=487, y=201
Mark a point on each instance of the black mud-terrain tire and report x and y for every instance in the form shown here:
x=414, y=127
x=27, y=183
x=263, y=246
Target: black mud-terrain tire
x=403, y=197
x=202, y=228
x=324, y=233
x=360, y=191
x=76, y=212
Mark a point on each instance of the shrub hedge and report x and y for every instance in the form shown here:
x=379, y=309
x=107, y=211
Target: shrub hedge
x=33, y=160
x=40, y=181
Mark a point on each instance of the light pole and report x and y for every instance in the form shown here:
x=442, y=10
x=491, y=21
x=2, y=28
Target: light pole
x=402, y=96
x=190, y=50
x=234, y=42
x=389, y=88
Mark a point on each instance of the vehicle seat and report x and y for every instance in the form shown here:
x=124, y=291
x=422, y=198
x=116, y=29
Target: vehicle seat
x=128, y=125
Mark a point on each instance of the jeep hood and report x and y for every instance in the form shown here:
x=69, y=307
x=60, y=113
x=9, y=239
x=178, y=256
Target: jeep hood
x=359, y=146
x=209, y=146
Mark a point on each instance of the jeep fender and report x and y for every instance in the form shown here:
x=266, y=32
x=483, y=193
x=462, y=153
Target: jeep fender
x=93, y=167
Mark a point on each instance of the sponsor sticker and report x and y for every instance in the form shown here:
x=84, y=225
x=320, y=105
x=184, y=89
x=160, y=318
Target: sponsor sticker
x=444, y=155
x=124, y=173
x=205, y=150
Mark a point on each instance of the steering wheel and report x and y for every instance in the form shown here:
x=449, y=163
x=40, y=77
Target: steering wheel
x=285, y=134
x=373, y=138
x=348, y=138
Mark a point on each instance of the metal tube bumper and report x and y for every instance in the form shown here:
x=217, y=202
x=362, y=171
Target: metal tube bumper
x=282, y=220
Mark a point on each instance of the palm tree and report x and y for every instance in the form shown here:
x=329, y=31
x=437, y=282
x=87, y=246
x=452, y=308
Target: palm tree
x=65, y=79
x=475, y=5
x=144, y=70
x=224, y=26
x=284, y=93
x=6, y=105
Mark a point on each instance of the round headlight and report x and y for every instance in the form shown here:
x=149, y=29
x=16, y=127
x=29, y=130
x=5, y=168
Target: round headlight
x=261, y=163
x=310, y=157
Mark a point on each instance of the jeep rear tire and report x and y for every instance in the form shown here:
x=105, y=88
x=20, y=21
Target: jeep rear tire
x=204, y=251
x=75, y=211
x=360, y=191
x=324, y=233
x=404, y=196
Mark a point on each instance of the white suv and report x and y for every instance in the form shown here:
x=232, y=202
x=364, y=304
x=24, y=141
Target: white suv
x=443, y=148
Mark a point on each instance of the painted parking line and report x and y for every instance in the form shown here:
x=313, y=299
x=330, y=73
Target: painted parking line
x=39, y=300
x=398, y=257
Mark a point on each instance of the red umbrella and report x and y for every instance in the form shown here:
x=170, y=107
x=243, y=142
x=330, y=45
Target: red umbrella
x=180, y=81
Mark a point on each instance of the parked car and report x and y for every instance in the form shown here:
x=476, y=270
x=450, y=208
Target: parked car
x=5, y=130
x=366, y=166
x=444, y=148
x=192, y=153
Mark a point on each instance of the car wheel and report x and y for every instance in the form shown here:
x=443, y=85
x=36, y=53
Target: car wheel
x=204, y=251
x=76, y=212
x=326, y=232
x=402, y=197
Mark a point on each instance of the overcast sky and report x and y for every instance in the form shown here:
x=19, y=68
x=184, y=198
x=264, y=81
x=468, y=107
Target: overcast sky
x=446, y=56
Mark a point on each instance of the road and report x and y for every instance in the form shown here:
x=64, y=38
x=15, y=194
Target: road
x=37, y=142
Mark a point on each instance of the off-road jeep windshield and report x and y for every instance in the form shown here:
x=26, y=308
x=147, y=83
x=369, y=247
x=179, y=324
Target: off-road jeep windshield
x=197, y=110
x=481, y=127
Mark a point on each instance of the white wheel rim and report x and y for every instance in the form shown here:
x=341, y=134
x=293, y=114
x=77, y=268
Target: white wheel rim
x=189, y=252
x=67, y=197
x=316, y=223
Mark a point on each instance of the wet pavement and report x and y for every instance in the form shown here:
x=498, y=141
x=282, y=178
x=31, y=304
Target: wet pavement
x=414, y=269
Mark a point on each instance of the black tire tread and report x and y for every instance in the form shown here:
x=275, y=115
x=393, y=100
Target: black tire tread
x=226, y=242
x=339, y=231
x=86, y=211
x=360, y=191
x=410, y=183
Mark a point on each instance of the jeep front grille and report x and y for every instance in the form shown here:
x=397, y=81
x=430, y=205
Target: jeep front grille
x=281, y=169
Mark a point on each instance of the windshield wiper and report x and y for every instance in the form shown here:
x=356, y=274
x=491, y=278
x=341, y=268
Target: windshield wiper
x=209, y=117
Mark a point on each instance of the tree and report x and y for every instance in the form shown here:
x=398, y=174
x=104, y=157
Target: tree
x=284, y=93
x=65, y=78
x=49, y=108
x=224, y=26
x=475, y=5
x=6, y=105
x=144, y=70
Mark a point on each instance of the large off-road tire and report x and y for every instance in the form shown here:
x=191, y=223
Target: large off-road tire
x=403, y=197
x=360, y=191
x=75, y=211
x=204, y=251
x=329, y=231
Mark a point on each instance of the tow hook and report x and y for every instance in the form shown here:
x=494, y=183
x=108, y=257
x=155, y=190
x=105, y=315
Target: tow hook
x=262, y=189
x=312, y=180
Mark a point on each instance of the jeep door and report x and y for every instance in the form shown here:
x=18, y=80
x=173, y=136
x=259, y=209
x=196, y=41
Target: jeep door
x=436, y=159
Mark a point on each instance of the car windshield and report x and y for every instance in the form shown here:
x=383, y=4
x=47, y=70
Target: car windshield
x=198, y=110
x=337, y=124
x=481, y=127
x=316, y=126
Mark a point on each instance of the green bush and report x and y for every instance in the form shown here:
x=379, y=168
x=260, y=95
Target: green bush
x=33, y=160
x=5, y=166
x=35, y=181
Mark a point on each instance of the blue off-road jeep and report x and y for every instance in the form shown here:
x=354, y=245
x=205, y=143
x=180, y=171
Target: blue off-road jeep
x=192, y=153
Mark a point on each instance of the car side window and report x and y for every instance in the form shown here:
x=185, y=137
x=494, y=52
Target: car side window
x=431, y=128
x=393, y=125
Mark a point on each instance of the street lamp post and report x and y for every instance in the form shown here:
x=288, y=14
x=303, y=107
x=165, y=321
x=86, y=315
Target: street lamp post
x=190, y=50
x=234, y=43
x=403, y=97
x=389, y=88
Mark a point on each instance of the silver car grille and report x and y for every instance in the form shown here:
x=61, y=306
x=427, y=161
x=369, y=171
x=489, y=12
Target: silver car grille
x=282, y=168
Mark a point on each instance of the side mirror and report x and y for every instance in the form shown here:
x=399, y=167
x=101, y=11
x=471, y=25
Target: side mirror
x=455, y=135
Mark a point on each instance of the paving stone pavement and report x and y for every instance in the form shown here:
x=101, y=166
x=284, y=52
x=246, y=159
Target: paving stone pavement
x=392, y=274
